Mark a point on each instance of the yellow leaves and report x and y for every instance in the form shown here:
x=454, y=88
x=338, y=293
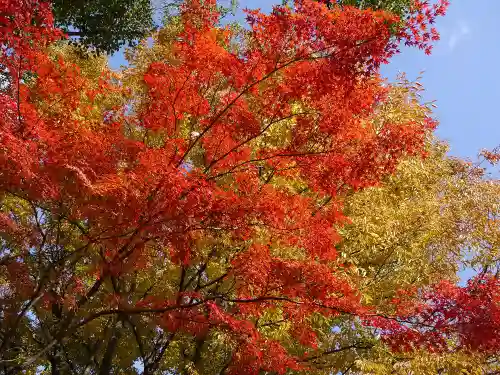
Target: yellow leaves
x=271, y=325
x=402, y=231
x=189, y=369
x=476, y=371
x=19, y=207
x=278, y=134
x=215, y=270
x=91, y=66
x=421, y=363
x=371, y=367
x=367, y=299
x=286, y=252
x=402, y=105
x=158, y=48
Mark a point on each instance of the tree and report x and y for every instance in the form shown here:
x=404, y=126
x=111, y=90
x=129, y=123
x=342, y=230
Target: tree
x=104, y=25
x=185, y=215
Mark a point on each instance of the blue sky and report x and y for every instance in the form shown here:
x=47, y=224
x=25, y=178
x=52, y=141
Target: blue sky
x=460, y=77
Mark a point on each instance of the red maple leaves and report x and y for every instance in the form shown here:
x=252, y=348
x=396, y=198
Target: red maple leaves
x=418, y=31
x=447, y=318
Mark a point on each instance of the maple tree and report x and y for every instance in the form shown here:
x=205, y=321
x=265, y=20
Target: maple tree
x=186, y=215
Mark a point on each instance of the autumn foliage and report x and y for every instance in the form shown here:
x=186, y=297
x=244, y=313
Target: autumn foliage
x=185, y=214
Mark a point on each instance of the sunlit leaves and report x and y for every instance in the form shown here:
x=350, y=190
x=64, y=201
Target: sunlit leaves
x=191, y=213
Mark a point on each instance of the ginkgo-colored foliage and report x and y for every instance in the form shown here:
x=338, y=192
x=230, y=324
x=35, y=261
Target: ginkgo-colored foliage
x=185, y=216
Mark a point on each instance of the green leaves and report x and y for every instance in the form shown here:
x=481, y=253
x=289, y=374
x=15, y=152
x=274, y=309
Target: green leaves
x=104, y=25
